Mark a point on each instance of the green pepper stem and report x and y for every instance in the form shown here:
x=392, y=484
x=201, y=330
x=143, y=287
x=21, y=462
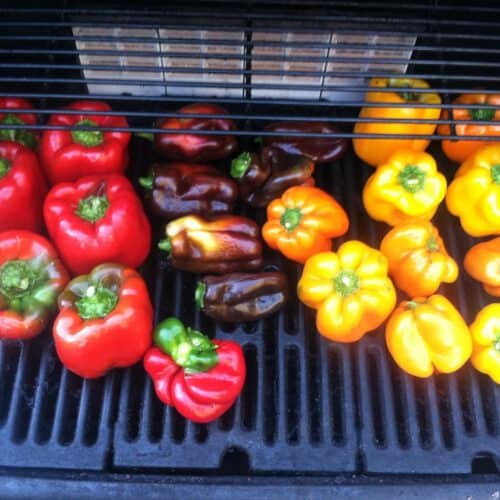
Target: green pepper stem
x=165, y=245
x=482, y=114
x=4, y=167
x=20, y=135
x=92, y=208
x=346, y=283
x=495, y=174
x=496, y=343
x=17, y=278
x=145, y=135
x=240, y=165
x=432, y=244
x=147, y=182
x=97, y=302
x=412, y=178
x=404, y=83
x=291, y=218
x=87, y=138
x=411, y=304
x=199, y=294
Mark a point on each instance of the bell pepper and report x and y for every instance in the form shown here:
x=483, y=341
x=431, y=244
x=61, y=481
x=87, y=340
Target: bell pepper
x=265, y=176
x=460, y=149
x=196, y=148
x=223, y=244
x=377, y=151
x=31, y=278
x=350, y=290
x=318, y=149
x=67, y=155
x=407, y=188
x=199, y=377
x=418, y=259
x=241, y=296
x=474, y=193
x=105, y=321
x=485, y=331
x=97, y=219
x=21, y=135
x=425, y=335
x=22, y=188
x=482, y=262
x=303, y=222
x=177, y=189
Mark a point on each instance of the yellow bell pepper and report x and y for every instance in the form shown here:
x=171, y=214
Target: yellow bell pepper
x=407, y=188
x=474, y=193
x=350, y=290
x=377, y=151
x=427, y=335
x=485, y=332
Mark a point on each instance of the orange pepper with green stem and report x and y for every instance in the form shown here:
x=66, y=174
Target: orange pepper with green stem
x=482, y=262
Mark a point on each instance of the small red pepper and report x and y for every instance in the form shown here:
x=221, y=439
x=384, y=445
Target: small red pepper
x=199, y=377
x=67, y=155
x=21, y=135
x=22, y=188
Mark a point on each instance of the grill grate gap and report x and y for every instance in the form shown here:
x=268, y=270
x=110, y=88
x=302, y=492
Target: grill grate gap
x=269, y=413
x=400, y=404
x=136, y=375
x=336, y=393
x=376, y=389
x=10, y=353
x=201, y=433
x=293, y=372
x=421, y=393
x=177, y=425
x=465, y=397
x=226, y=422
x=444, y=408
x=293, y=304
x=93, y=410
x=71, y=404
x=156, y=416
x=487, y=392
x=250, y=389
x=312, y=344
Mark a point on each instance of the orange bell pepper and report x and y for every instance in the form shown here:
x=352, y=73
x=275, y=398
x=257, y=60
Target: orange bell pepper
x=482, y=262
x=377, y=151
x=485, y=332
x=303, y=222
x=418, y=260
x=427, y=335
x=459, y=150
x=350, y=290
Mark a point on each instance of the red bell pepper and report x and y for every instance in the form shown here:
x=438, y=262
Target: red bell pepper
x=95, y=220
x=22, y=188
x=105, y=321
x=199, y=377
x=21, y=135
x=31, y=278
x=67, y=155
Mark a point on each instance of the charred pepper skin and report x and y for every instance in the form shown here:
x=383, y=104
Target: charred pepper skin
x=242, y=296
x=177, y=189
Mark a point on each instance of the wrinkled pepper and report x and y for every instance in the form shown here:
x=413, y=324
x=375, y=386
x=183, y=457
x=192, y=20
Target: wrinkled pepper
x=485, y=331
x=418, y=259
x=482, y=262
x=177, y=189
x=349, y=289
x=303, y=222
x=22, y=188
x=21, y=135
x=223, y=244
x=377, y=151
x=196, y=148
x=241, y=296
x=31, y=278
x=67, y=155
x=95, y=220
x=425, y=335
x=199, y=377
x=105, y=321
x=267, y=175
x=318, y=149
x=407, y=188
x=460, y=149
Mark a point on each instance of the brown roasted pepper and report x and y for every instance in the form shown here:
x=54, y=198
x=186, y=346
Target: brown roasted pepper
x=223, y=244
x=177, y=189
x=241, y=296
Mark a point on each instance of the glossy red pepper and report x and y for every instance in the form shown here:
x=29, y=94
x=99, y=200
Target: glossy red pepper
x=95, y=220
x=67, y=155
x=196, y=148
x=22, y=188
x=200, y=377
x=105, y=321
x=21, y=135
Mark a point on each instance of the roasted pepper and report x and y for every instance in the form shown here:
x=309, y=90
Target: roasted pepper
x=460, y=149
x=407, y=188
x=21, y=135
x=318, y=149
x=418, y=259
x=105, y=321
x=377, y=151
x=177, y=189
x=95, y=220
x=267, y=175
x=224, y=244
x=22, y=188
x=485, y=331
x=199, y=377
x=196, y=148
x=482, y=262
x=350, y=290
x=67, y=155
x=31, y=278
x=303, y=222
x=241, y=296
x=425, y=335
x=474, y=193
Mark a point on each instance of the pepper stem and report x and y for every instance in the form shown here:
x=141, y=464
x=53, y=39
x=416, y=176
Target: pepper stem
x=412, y=178
x=240, y=165
x=87, y=138
x=165, y=245
x=411, y=304
x=432, y=244
x=97, y=302
x=17, y=278
x=496, y=342
x=291, y=218
x=147, y=182
x=92, y=208
x=404, y=83
x=20, y=135
x=482, y=114
x=145, y=135
x=346, y=282
x=199, y=294
x=4, y=167
x=495, y=173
